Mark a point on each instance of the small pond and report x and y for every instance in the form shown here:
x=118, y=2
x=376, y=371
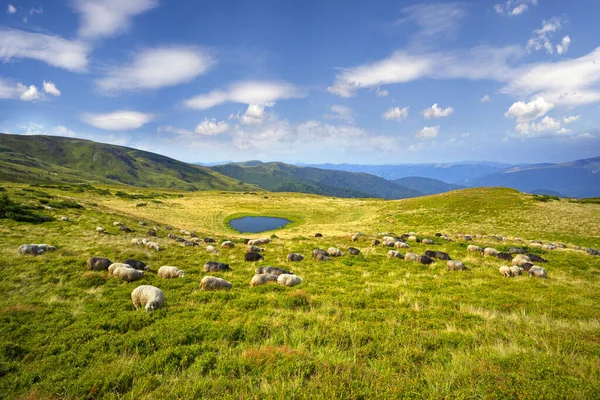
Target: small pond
x=257, y=224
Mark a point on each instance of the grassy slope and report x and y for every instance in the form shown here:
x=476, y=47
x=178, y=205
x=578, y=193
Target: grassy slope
x=49, y=158
x=357, y=327
x=280, y=177
x=427, y=185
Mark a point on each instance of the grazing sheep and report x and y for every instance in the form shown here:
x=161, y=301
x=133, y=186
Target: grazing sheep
x=428, y=241
x=259, y=242
x=438, y=235
x=251, y=257
x=474, y=248
x=516, y=271
x=142, y=223
x=180, y=240
x=227, y=245
x=172, y=236
x=375, y=242
x=535, y=258
x=537, y=272
x=98, y=263
x=255, y=249
x=322, y=257
x=155, y=228
x=124, y=228
x=145, y=241
x=112, y=267
x=504, y=256
x=467, y=238
x=548, y=247
x=455, y=265
x=520, y=259
x=189, y=243
x=64, y=219
x=128, y=274
x=440, y=255
x=412, y=238
x=117, y=223
x=288, y=280
x=168, y=272
x=100, y=229
x=148, y=296
x=196, y=240
x=526, y=266
x=184, y=232
x=211, y=249
x=394, y=254
x=136, y=242
x=411, y=257
x=592, y=252
x=505, y=271
x=401, y=245
x=425, y=260
x=516, y=250
x=137, y=264
x=212, y=282
x=536, y=244
x=214, y=266
x=334, y=252
x=489, y=251
x=318, y=235
x=354, y=238
x=354, y=251
x=263, y=279
x=169, y=228
x=295, y=257
x=153, y=245
x=316, y=252
x=271, y=270
x=389, y=242
x=32, y=249
x=152, y=233
x=209, y=240
x=193, y=234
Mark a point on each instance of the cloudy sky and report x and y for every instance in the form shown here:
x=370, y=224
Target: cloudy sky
x=308, y=81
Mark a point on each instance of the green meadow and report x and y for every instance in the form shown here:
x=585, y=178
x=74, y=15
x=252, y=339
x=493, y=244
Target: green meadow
x=358, y=327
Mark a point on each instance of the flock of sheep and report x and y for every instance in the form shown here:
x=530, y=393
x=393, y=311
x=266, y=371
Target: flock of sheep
x=152, y=297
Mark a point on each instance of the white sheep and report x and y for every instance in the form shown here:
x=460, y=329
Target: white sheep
x=255, y=249
x=64, y=219
x=520, y=259
x=394, y=254
x=259, y=242
x=516, y=271
x=295, y=257
x=136, y=242
x=455, y=265
x=489, y=251
x=112, y=267
x=32, y=249
x=153, y=245
x=227, y=244
x=537, y=272
x=428, y=241
x=473, y=248
x=117, y=223
x=168, y=272
x=212, y=282
x=211, y=249
x=148, y=296
x=505, y=271
x=263, y=279
x=288, y=280
x=100, y=229
x=401, y=245
x=411, y=257
x=412, y=238
x=128, y=274
x=334, y=252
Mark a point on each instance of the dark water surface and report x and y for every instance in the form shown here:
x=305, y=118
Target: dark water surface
x=257, y=224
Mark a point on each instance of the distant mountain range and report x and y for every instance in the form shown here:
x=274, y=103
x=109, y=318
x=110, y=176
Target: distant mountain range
x=427, y=185
x=280, y=177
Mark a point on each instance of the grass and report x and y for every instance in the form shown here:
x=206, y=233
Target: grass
x=357, y=327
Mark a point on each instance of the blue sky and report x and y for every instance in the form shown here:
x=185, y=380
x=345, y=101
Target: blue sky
x=514, y=81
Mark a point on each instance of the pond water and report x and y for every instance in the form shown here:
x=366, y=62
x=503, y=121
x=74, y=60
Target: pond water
x=257, y=224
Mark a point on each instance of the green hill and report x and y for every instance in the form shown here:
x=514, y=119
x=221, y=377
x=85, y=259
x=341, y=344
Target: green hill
x=427, y=185
x=38, y=159
x=280, y=177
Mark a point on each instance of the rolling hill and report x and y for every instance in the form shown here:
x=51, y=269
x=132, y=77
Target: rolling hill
x=427, y=185
x=280, y=177
x=35, y=159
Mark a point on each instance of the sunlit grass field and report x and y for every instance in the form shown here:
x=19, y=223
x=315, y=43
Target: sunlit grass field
x=357, y=327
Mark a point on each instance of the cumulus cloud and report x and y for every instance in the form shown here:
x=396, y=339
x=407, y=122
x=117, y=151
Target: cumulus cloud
x=514, y=7
x=53, y=50
x=341, y=112
x=211, y=127
x=30, y=93
x=563, y=46
x=10, y=9
x=428, y=132
x=572, y=118
x=485, y=98
x=436, y=112
x=156, y=68
x=542, y=38
x=247, y=92
x=396, y=114
x=108, y=18
x=522, y=111
x=39, y=129
x=10, y=90
x=547, y=124
x=381, y=92
x=118, y=120
x=50, y=88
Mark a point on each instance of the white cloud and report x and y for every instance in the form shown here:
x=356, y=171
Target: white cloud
x=28, y=93
x=211, y=127
x=514, y=7
x=156, y=68
x=435, y=112
x=107, y=18
x=53, y=50
x=428, y=132
x=172, y=129
x=255, y=114
x=563, y=131
x=532, y=129
x=341, y=112
x=572, y=118
x=39, y=129
x=396, y=114
x=485, y=98
x=10, y=9
x=529, y=111
x=50, y=88
x=247, y=92
x=563, y=46
x=382, y=93
x=39, y=10
x=118, y=120
x=433, y=20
